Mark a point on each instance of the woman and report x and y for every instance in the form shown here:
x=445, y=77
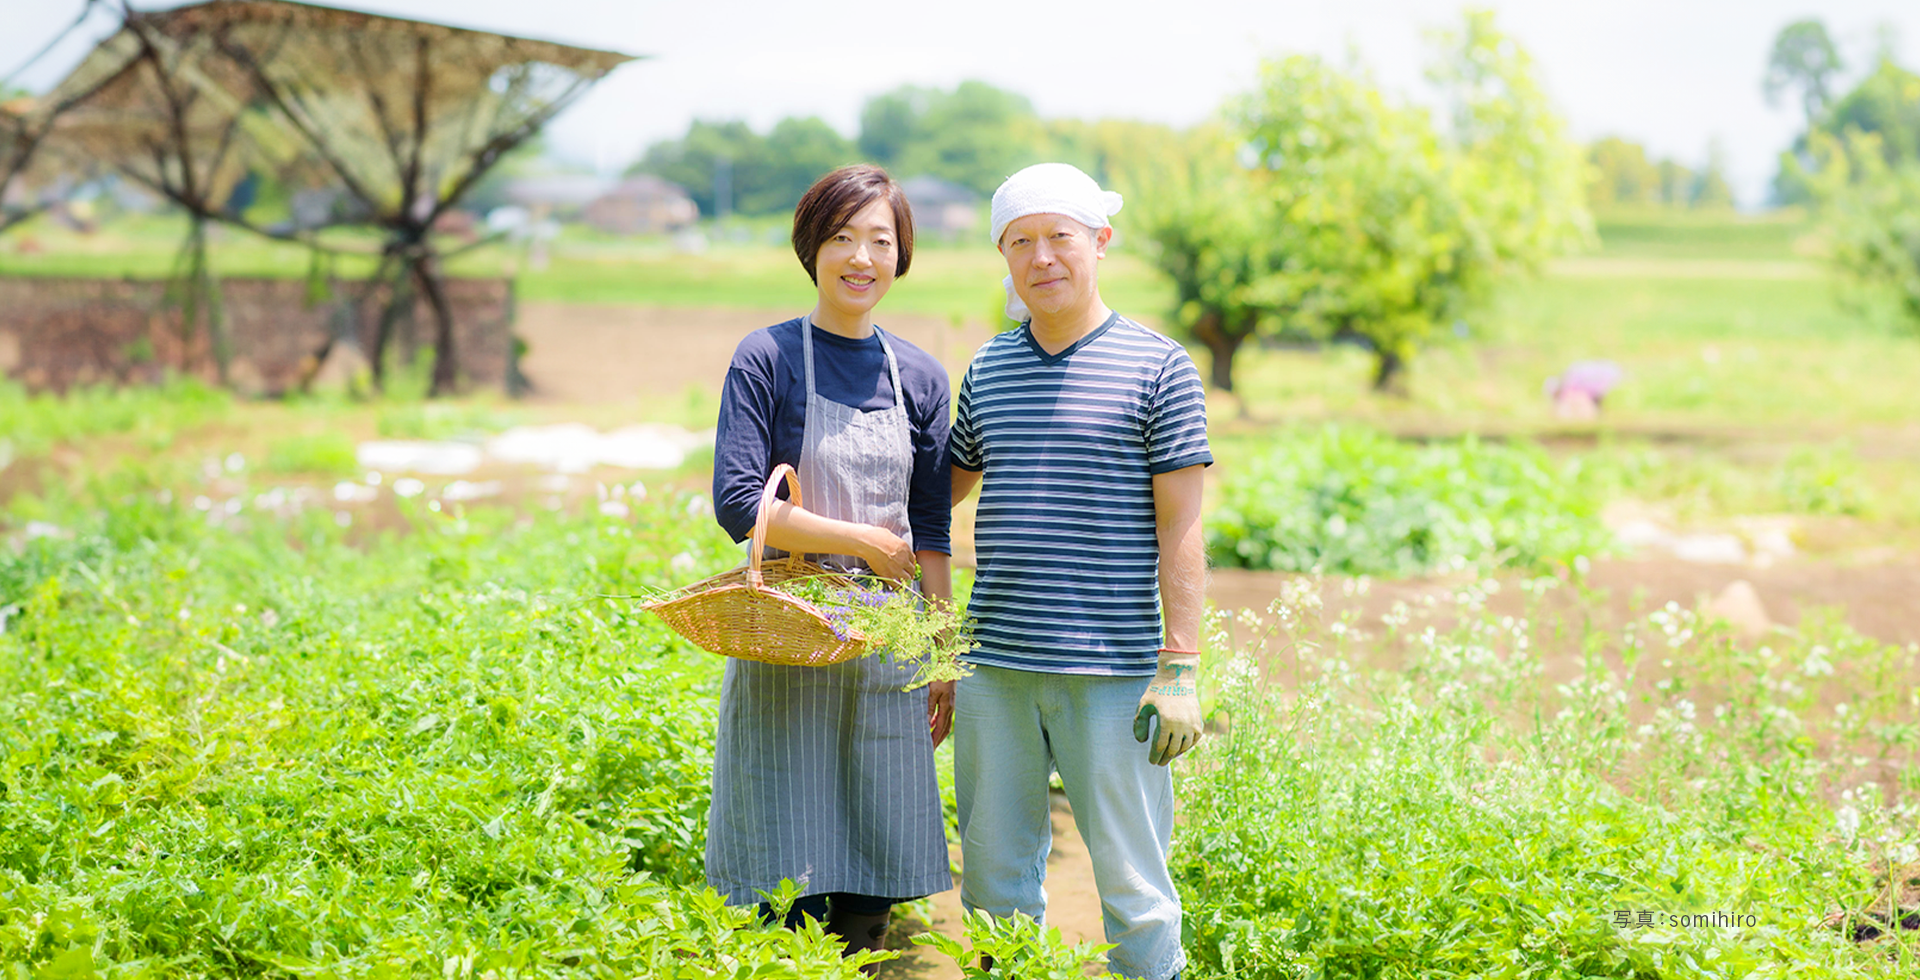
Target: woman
x=824, y=775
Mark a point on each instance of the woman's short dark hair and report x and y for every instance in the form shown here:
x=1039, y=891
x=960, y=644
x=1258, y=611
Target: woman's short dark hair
x=833, y=200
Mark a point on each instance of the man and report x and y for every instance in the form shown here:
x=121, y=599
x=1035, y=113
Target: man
x=1087, y=435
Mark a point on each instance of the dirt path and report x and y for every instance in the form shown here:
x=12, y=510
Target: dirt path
x=1073, y=906
x=1877, y=599
x=601, y=354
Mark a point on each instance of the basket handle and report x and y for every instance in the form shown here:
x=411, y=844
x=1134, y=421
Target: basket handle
x=759, y=538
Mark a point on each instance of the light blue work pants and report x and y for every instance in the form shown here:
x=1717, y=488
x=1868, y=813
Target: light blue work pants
x=1011, y=728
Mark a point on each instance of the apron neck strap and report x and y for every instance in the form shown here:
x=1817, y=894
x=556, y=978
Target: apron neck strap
x=893, y=364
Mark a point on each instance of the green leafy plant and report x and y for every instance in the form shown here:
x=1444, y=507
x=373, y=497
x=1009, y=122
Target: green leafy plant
x=1353, y=501
x=1014, y=948
x=1822, y=482
x=329, y=453
x=934, y=635
x=1683, y=807
x=32, y=423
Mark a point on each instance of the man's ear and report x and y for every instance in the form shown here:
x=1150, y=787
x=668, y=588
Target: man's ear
x=1100, y=240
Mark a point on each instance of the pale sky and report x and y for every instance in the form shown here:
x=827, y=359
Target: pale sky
x=1674, y=75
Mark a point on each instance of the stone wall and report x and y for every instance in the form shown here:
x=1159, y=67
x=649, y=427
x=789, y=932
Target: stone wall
x=59, y=332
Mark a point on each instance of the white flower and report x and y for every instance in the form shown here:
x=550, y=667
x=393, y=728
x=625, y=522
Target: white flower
x=1816, y=664
x=1848, y=820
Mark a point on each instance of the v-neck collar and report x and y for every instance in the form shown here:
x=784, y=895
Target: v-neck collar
x=1066, y=352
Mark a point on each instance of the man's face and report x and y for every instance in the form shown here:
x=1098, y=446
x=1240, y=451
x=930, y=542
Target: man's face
x=1054, y=262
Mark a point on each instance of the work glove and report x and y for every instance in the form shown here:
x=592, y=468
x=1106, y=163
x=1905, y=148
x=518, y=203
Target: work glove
x=1173, y=698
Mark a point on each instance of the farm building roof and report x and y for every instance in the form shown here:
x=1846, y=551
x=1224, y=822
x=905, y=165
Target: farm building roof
x=338, y=95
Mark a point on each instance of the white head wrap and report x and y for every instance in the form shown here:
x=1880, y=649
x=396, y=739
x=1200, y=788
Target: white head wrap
x=1049, y=188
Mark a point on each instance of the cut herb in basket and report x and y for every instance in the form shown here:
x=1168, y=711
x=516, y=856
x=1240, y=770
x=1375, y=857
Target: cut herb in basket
x=896, y=622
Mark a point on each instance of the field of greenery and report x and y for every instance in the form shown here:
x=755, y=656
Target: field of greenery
x=250, y=730
x=261, y=714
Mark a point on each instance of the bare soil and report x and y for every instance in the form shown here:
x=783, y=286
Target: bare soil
x=606, y=354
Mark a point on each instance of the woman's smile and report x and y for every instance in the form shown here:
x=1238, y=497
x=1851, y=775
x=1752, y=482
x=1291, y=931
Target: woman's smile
x=856, y=267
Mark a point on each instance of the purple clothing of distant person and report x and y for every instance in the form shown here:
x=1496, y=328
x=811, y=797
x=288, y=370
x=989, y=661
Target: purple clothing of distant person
x=763, y=413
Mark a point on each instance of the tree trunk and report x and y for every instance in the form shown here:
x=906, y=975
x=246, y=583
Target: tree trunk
x=196, y=293
x=1222, y=344
x=1389, y=373
x=399, y=298
x=435, y=288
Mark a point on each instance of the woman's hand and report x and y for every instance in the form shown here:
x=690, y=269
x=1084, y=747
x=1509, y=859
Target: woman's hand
x=940, y=710
x=888, y=555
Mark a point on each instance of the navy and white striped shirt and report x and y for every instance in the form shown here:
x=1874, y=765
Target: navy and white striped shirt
x=1069, y=558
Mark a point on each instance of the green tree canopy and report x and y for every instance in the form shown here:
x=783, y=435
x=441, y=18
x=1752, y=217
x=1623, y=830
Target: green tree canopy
x=1220, y=231
x=974, y=135
x=1805, y=60
x=1332, y=210
x=1886, y=104
x=1869, y=204
x=794, y=155
x=1111, y=149
x=1511, y=160
x=1620, y=173
x=693, y=161
x=758, y=174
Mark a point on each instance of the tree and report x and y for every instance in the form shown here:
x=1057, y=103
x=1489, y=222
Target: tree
x=975, y=135
x=1512, y=163
x=1109, y=149
x=1343, y=214
x=1220, y=232
x=1804, y=59
x=1870, y=209
x=757, y=174
x=694, y=161
x=794, y=155
x=1886, y=103
x=889, y=123
x=1365, y=187
x=1710, y=188
x=1621, y=174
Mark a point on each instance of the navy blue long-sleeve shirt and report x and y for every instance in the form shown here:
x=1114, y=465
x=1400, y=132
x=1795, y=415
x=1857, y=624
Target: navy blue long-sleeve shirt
x=763, y=415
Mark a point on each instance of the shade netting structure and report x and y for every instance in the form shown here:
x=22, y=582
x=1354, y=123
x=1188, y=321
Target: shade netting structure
x=399, y=118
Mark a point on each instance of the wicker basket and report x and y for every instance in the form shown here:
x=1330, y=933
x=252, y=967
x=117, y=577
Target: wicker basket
x=736, y=614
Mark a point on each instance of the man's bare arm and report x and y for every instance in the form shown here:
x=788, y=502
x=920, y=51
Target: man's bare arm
x=964, y=480
x=1183, y=554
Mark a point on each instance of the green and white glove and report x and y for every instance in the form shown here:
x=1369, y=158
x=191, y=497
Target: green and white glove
x=1174, y=698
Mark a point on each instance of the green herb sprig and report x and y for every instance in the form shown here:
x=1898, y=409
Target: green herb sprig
x=931, y=634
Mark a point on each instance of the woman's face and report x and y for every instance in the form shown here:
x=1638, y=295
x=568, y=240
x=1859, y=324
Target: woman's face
x=855, y=265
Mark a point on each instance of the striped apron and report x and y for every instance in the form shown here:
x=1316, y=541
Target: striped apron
x=824, y=775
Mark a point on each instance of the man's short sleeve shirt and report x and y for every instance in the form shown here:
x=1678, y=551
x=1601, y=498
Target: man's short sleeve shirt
x=1065, y=537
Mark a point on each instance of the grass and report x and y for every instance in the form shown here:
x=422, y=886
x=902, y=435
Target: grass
x=1669, y=234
